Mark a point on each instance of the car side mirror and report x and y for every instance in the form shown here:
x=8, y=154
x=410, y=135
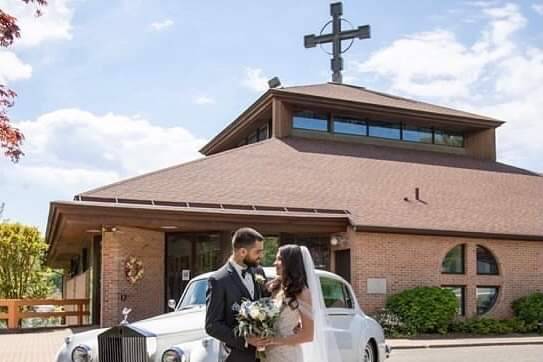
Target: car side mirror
x=171, y=304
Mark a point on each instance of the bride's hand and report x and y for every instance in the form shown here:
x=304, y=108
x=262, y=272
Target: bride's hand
x=271, y=341
x=257, y=341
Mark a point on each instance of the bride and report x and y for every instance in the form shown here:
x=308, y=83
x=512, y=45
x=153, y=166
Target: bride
x=302, y=324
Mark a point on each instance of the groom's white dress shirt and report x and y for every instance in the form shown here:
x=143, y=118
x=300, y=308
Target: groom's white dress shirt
x=248, y=280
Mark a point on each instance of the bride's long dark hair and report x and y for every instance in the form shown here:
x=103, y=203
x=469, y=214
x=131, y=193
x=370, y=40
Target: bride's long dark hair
x=294, y=279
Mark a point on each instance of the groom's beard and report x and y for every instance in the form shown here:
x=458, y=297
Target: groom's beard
x=251, y=263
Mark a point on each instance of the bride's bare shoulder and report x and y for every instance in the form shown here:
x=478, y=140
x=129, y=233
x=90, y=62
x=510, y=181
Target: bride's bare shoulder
x=305, y=296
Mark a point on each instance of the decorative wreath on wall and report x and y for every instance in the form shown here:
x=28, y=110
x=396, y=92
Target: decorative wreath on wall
x=133, y=269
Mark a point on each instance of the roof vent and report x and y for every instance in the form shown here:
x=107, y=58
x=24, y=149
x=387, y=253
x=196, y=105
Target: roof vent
x=417, y=197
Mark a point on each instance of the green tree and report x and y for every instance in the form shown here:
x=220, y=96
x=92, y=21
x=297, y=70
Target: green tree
x=271, y=244
x=22, y=255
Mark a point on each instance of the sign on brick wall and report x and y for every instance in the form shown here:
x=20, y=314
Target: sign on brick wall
x=377, y=286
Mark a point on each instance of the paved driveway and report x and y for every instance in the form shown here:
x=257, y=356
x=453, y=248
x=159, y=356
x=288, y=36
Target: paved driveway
x=524, y=353
x=42, y=347
x=32, y=347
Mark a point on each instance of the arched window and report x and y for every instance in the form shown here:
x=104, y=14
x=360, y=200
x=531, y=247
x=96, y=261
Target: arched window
x=486, y=263
x=460, y=293
x=486, y=298
x=454, y=261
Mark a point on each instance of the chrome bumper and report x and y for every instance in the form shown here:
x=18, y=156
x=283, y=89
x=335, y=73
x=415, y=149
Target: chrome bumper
x=388, y=350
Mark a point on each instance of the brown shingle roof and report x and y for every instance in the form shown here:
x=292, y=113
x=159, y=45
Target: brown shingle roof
x=363, y=95
x=460, y=193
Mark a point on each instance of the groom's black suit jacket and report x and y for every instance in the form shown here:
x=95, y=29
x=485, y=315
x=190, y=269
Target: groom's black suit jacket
x=225, y=293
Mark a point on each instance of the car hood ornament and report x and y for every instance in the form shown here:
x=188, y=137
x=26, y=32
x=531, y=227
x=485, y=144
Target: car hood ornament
x=126, y=311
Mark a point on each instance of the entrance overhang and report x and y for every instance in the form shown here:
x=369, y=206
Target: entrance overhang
x=70, y=222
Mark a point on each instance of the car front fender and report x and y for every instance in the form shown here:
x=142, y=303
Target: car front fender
x=63, y=355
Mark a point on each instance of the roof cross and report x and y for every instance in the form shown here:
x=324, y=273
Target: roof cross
x=336, y=37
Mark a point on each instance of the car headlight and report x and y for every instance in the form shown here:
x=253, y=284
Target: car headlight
x=81, y=353
x=174, y=354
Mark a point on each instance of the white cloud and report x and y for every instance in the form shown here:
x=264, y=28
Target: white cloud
x=74, y=179
x=538, y=8
x=202, y=100
x=438, y=64
x=521, y=74
x=70, y=151
x=74, y=139
x=446, y=68
x=54, y=24
x=481, y=4
x=255, y=79
x=12, y=68
x=495, y=75
x=162, y=25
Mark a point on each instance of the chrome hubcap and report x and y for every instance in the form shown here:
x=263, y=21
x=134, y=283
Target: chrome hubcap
x=368, y=354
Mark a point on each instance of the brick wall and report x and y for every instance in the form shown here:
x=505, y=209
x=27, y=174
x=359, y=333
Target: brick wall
x=146, y=297
x=408, y=261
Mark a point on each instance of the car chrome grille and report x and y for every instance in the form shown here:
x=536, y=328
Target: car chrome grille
x=122, y=344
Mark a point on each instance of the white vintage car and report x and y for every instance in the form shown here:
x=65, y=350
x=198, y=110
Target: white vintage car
x=179, y=336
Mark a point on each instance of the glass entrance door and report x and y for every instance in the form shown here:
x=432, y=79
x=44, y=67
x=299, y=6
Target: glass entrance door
x=343, y=263
x=189, y=255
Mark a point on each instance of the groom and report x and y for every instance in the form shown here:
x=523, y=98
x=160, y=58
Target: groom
x=228, y=287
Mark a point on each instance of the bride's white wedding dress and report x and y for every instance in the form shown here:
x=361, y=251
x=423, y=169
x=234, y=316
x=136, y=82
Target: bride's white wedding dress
x=323, y=348
x=286, y=324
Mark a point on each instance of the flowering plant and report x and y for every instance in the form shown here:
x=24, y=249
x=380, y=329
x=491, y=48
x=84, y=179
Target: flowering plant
x=257, y=318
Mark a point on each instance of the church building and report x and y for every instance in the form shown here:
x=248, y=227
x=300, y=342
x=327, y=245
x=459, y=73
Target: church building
x=388, y=192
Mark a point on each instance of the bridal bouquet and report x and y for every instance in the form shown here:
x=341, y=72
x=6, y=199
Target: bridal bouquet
x=257, y=319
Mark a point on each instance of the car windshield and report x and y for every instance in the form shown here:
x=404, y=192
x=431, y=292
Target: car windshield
x=194, y=295
x=335, y=293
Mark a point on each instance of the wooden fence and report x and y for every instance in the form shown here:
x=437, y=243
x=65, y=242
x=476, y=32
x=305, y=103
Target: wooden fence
x=18, y=309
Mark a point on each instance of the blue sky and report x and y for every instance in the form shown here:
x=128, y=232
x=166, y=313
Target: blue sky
x=111, y=89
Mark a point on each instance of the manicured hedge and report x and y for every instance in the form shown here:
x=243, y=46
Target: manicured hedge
x=429, y=310
x=423, y=309
x=487, y=326
x=529, y=308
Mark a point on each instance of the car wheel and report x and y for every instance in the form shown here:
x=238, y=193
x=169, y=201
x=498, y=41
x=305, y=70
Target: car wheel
x=369, y=353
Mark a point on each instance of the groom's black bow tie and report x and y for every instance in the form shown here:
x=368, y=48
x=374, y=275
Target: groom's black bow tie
x=244, y=272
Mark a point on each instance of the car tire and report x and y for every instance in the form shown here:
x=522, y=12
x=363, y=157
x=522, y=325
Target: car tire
x=369, y=354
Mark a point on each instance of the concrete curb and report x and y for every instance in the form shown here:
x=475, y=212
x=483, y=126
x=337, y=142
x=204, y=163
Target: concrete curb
x=464, y=345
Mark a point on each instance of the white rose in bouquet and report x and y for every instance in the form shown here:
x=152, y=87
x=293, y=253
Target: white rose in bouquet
x=254, y=311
